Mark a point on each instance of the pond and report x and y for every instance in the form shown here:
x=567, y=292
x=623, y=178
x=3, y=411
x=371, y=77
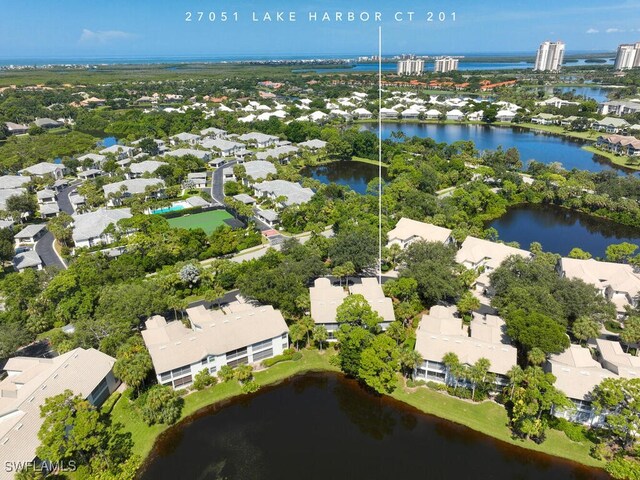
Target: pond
x=109, y=142
x=559, y=230
x=533, y=145
x=355, y=175
x=322, y=426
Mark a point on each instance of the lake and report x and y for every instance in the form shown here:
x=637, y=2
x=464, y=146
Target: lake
x=599, y=94
x=533, y=145
x=322, y=426
x=559, y=230
x=355, y=175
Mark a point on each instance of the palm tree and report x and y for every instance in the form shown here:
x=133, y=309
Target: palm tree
x=409, y=360
x=320, y=335
x=515, y=375
x=536, y=356
x=454, y=367
x=478, y=374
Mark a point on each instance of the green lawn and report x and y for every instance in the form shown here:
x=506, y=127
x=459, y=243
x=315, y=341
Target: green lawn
x=144, y=436
x=491, y=419
x=207, y=221
x=625, y=162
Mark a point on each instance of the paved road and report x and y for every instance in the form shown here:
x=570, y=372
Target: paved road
x=44, y=246
x=217, y=182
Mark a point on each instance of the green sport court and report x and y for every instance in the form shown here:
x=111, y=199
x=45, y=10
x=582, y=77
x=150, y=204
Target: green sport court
x=207, y=221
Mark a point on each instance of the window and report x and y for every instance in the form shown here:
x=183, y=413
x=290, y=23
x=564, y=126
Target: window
x=285, y=335
x=285, y=346
x=261, y=345
x=182, y=381
x=213, y=369
x=263, y=354
x=165, y=376
x=239, y=361
x=236, y=353
x=178, y=372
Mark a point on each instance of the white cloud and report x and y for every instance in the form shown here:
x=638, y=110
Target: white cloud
x=593, y=30
x=614, y=30
x=104, y=36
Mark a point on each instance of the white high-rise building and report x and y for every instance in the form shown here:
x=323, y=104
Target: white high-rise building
x=445, y=64
x=628, y=56
x=550, y=56
x=411, y=66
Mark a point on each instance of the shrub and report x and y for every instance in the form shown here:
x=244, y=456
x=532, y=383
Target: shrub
x=460, y=392
x=226, y=373
x=440, y=387
x=415, y=383
x=624, y=468
x=250, y=387
x=161, y=404
x=288, y=354
x=110, y=403
x=244, y=373
x=204, y=379
x=573, y=431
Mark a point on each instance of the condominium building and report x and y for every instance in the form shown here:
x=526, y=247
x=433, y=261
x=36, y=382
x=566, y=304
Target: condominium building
x=628, y=56
x=445, y=64
x=239, y=333
x=550, y=56
x=411, y=66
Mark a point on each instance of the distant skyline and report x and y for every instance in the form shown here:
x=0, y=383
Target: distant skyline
x=157, y=28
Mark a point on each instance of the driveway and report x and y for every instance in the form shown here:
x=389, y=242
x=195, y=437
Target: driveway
x=217, y=182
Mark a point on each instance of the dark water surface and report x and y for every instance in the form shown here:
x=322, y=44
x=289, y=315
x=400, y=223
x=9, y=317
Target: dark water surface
x=559, y=229
x=322, y=426
x=355, y=175
x=532, y=145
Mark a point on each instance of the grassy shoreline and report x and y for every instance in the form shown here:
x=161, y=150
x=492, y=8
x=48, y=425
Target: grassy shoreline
x=487, y=418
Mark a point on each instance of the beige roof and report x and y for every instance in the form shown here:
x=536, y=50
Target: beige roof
x=620, y=277
x=371, y=290
x=325, y=299
x=440, y=333
x=407, y=229
x=30, y=382
x=615, y=359
x=215, y=332
x=489, y=328
x=477, y=251
x=576, y=372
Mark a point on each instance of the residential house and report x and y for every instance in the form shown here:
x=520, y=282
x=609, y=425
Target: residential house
x=546, y=119
x=619, y=108
x=90, y=173
x=120, y=152
x=184, y=137
x=213, y=133
x=7, y=193
x=198, y=179
x=617, y=282
x=441, y=332
x=217, y=162
x=260, y=140
x=361, y=113
x=620, y=144
x=556, y=102
x=577, y=374
x=30, y=234
x=505, y=116
x=293, y=193
x=88, y=228
x=225, y=148
x=244, y=198
x=16, y=128
x=432, y=114
x=282, y=153
x=48, y=210
x=46, y=196
x=484, y=257
x=455, y=115
x=30, y=381
x=183, y=152
x=610, y=125
x=137, y=170
x=326, y=298
x=93, y=159
x=116, y=191
x=259, y=170
x=314, y=144
x=25, y=260
x=240, y=333
x=13, y=181
x=408, y=231
x=44, y=169
x=47, y=123
x=268, y=217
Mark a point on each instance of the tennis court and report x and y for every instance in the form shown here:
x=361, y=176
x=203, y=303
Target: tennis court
x=207, y=221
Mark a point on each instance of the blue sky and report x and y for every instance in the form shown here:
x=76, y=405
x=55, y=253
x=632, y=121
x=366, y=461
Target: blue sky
x=101, y=28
